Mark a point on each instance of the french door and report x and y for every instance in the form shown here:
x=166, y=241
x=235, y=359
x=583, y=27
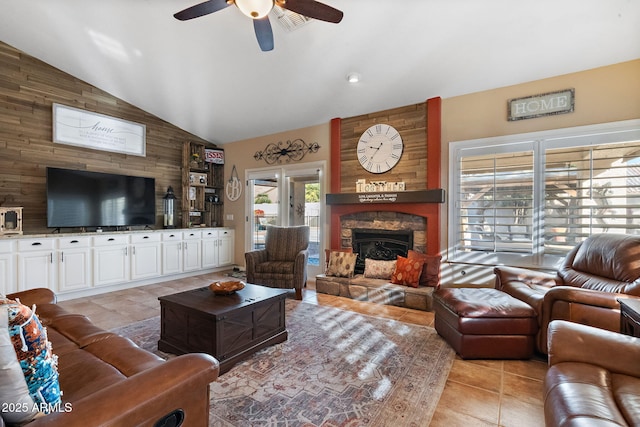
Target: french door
x=288, y=195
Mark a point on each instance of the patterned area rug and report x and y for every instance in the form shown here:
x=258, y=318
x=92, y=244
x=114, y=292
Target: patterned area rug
x=338, y=368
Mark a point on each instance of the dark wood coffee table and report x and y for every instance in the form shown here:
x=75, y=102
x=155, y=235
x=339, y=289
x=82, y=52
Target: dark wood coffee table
x=228, y=327
x=630, y=316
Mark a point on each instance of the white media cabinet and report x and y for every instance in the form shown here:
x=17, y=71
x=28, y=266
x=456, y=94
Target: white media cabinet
x=83, y=264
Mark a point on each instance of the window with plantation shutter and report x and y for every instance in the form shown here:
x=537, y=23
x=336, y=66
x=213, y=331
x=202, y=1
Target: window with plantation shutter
x=528, y=199
x=590, y=189
x=495, y=201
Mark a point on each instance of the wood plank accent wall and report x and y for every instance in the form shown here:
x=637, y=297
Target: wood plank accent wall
x=28, y=88
x=431, y=141
x=411, y=122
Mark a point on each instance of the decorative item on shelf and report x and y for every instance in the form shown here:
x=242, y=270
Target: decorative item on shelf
x=294, y=150
x=192, y=198
x=226, y=288
x=233, y=190
x=212, y=155
x=10, y=221
x=198, y=179
x=168, y=208
x=195, y=161
x=213, y=198
x=377, y=186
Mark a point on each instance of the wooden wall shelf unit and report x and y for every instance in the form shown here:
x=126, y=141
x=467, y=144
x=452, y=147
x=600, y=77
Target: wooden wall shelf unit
x=202, y=187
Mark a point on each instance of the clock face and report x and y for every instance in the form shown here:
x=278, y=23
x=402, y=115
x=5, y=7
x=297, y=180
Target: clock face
x=379, y=148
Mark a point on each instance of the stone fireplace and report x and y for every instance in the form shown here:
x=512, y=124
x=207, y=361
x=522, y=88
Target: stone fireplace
x=382, y=235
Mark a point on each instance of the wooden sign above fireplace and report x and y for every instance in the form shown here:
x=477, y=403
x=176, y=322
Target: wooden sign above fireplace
x=422, y=196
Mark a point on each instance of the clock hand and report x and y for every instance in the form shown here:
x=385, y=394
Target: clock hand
x=377, y=149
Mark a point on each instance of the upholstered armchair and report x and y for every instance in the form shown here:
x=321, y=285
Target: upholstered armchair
x=283, y=261
x=593, y=275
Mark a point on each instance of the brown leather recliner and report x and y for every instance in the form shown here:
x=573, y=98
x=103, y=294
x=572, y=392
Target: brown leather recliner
x=593, y=377
x=586, y=287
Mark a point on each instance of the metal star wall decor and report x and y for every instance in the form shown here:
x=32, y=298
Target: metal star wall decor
x=290, y=151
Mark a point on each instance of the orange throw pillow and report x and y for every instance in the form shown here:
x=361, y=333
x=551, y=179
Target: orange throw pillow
x=407, y=271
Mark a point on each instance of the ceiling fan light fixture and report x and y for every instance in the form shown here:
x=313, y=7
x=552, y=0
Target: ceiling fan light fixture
x=353, y=77
x=255, y=9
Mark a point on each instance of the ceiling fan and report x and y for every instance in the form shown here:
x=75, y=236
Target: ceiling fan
x=258, y=10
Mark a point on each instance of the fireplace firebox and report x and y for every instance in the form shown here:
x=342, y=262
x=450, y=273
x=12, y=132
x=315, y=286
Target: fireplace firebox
x=379, y=245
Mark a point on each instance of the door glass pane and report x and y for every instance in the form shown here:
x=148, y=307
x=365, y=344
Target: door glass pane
x=304, y=209
x=266, y=199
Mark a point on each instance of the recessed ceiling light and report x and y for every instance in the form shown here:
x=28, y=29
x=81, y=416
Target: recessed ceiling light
x=353, y=77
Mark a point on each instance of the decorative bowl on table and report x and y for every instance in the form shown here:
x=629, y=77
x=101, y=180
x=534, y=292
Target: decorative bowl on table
x=226, y=288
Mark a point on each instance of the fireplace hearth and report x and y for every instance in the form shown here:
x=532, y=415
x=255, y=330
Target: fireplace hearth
x=379, y=245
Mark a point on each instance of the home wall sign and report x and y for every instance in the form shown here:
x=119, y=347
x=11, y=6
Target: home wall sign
x=82, y=128
x=545, y=104
x=290, y=151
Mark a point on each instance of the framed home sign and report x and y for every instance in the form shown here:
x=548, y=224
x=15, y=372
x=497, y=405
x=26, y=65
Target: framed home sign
x=544, y=104
x=87, y=129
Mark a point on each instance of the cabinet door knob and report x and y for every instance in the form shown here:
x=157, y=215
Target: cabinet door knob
x=111, y=239
x=36, y=244
x=73, y=241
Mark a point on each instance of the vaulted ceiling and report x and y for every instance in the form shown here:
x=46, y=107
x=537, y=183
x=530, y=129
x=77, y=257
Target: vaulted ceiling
x=209, y=77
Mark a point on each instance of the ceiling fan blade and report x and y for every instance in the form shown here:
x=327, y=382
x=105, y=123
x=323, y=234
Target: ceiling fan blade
x=312, y=9
x=201, y=9
x=264, y=33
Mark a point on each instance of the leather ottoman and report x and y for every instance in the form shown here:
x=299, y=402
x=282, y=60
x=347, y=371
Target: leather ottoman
x=485, y=323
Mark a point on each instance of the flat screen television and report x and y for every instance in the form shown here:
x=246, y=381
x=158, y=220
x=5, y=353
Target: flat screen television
x=79, y=198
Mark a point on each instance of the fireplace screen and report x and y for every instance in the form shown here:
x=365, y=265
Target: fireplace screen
x=380, y=245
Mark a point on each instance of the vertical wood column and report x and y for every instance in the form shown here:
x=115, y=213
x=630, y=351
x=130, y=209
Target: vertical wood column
x=434, y=144
x=336, y=180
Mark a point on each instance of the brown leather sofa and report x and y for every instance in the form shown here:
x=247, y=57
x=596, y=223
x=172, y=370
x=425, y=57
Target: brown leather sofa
x=585, y=288
x=109, y=381
x=593, y=377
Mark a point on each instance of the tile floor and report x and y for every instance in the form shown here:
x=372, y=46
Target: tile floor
x=478, y=393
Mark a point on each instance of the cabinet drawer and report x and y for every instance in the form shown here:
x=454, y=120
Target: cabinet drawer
x=145, y=238
x=6, y=246
x=26, y=245
x=224, y=232
x=191, y=235
x=172, y=237
x=210, y=234
x=110, y=239
x=73, y=242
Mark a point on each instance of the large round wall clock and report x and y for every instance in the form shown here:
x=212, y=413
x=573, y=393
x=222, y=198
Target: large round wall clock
x=379, y=148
